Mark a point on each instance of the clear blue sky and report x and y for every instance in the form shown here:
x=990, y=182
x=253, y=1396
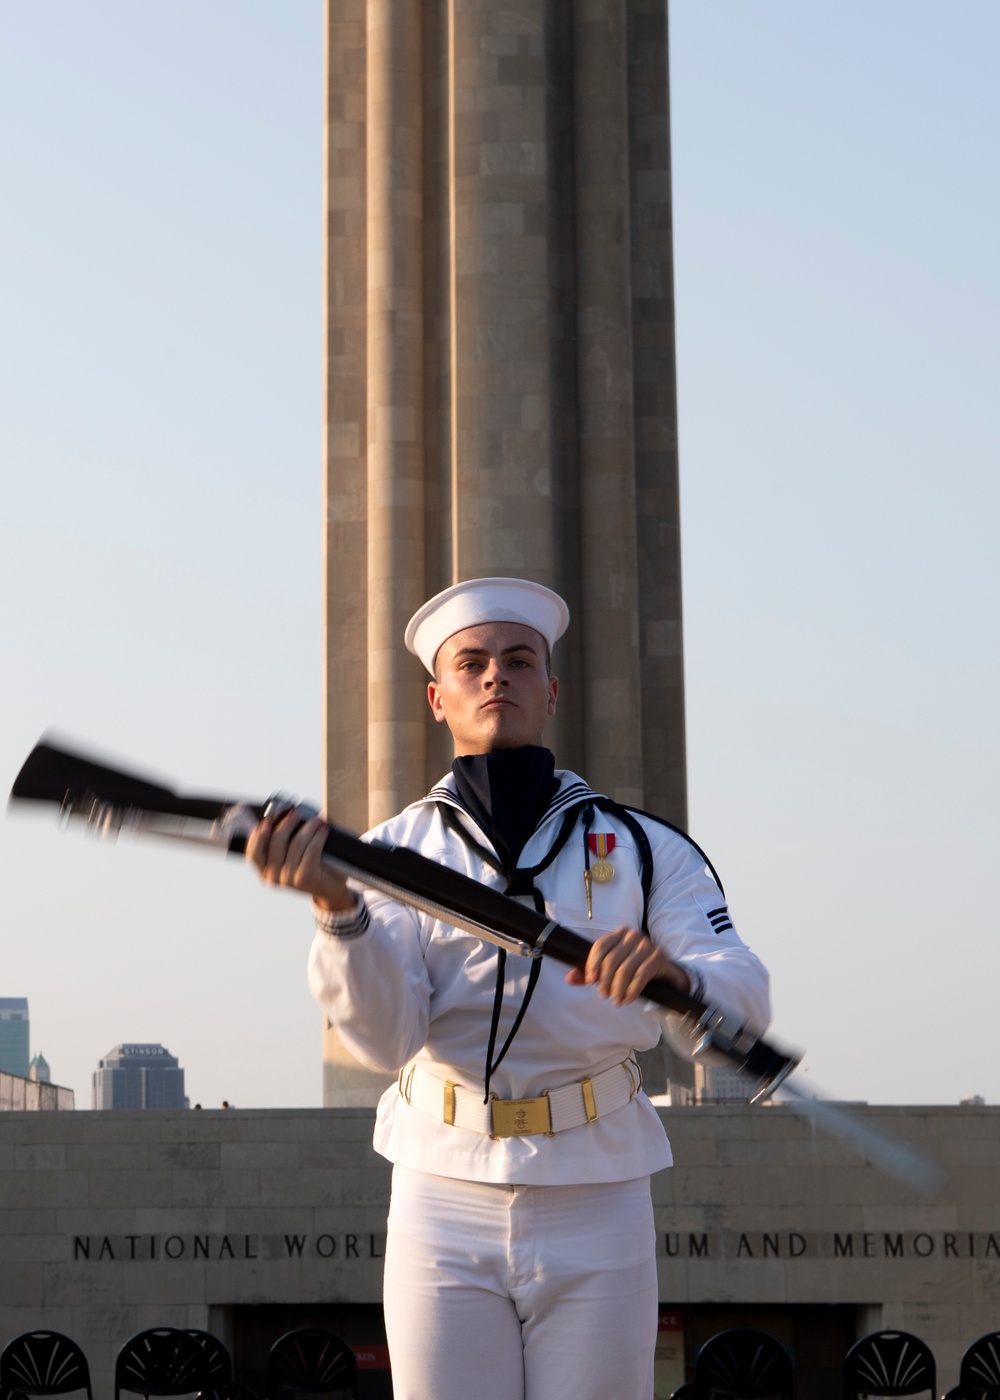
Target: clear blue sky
x=836, y=214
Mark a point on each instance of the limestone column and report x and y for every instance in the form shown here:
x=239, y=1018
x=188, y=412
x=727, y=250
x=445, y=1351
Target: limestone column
x=501, y=389
x=654, y=377
x=396, y=725
x=345, y=447
x=608, y=557
x=374, y=431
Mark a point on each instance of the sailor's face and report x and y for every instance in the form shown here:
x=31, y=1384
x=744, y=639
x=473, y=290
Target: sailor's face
x=492, y=687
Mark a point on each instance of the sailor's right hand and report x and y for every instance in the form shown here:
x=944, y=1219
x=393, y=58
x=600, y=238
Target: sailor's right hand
x=289, y=852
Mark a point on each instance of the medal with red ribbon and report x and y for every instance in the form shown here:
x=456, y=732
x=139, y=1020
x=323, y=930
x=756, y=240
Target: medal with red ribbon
x=601, y=843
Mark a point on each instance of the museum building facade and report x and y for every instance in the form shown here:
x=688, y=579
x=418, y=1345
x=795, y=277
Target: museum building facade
x=250, y=1222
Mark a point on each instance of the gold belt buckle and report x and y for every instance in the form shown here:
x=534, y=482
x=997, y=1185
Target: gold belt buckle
x=521, y=1117
x=589, y=1100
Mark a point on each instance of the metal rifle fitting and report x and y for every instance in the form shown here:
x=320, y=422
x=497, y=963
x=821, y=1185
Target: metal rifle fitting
x=732, y=1039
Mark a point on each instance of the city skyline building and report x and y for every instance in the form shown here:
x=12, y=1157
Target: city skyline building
x=15, y=1035
x=138, y=1076
x=19, y=1095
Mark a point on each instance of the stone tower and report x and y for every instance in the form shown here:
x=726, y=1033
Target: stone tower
x=500, y=383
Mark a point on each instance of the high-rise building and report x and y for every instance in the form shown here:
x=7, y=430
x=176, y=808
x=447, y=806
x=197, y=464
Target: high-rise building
x=39, y=1070
x=721, y=1084
x=14, y=1032
x=139, y=1076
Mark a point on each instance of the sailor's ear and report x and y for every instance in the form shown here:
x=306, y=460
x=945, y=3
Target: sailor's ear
x=434, y=700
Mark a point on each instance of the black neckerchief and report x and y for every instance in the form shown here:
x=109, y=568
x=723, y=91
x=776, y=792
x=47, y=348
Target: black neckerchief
x=508, y=793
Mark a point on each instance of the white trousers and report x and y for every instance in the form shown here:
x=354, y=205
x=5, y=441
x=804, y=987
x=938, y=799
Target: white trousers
x=520, y=1292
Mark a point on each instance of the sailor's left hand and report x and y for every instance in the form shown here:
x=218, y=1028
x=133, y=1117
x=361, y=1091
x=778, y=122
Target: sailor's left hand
x=620, y=964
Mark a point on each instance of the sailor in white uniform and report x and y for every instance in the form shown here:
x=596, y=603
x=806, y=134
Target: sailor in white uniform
x=520, y=1260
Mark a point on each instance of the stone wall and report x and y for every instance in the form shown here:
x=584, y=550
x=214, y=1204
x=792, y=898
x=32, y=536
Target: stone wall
x=761, y=1209
x=111, y=1222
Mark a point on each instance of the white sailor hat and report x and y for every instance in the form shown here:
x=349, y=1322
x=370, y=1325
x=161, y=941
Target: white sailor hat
x=480, y=600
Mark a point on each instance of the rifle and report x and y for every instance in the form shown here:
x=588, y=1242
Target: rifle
x=111, y=800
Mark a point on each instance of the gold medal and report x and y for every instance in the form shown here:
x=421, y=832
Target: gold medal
x=601, y=844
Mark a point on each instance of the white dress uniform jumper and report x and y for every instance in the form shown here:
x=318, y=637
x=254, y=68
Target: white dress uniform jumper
x=520, y=1222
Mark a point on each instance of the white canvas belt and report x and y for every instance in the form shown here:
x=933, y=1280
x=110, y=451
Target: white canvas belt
x=553, y=1111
